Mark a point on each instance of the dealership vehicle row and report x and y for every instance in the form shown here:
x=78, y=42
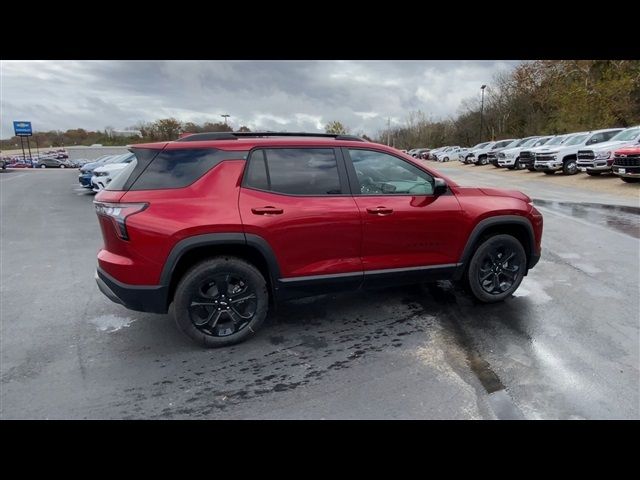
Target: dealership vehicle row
x=611, y=150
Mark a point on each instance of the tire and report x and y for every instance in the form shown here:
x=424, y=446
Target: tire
x=517, y=165
x=630, y=180
x=549, y=172
x=570, y=167
x=445, y=159
x=62, y=166
x=204, y=283
x=531, y=169
x=43, y=166
x=482, y=160
x=593, y=174
x=500, y=281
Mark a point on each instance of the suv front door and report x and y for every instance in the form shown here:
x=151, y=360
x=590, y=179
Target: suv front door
x=298, y=200
x=405, y=227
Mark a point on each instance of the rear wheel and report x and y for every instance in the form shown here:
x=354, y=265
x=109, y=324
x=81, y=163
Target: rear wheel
x=221, y=301
x=630, y=180
x=482, y=160
x=496, y=268
x=445, y=159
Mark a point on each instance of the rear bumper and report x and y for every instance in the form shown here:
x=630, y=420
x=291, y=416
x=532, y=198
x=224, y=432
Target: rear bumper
x=142, y=298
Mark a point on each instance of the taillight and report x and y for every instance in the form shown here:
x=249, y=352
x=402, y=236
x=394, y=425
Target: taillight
x=118, y=213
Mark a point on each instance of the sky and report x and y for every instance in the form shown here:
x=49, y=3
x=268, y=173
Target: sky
x=263, y=95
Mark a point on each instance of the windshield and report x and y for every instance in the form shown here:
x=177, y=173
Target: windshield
x=480, y=145
x=577, y=139
x=557, y=140
x=626, y=135
x=530, y=142
x=542, y=141
x=119, y=158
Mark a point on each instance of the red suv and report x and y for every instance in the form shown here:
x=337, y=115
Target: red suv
x=221, y=225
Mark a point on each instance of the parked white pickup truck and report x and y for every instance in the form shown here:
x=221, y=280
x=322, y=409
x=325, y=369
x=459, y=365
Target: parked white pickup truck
x=510, y=157
x=564, y=157
x=600, y=158
x=479, y=156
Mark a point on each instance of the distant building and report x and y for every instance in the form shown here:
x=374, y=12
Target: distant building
x=125, y=133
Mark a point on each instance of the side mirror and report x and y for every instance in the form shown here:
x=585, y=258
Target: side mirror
x=439, y=186
x=388, y=188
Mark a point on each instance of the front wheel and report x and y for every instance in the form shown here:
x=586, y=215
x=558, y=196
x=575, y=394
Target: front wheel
x=62, y=166
x=630, y=180
x=496, y=268
x=482, y=160
x=43, y=166
x=570, y=167
x=221, y=301
x=517, y=164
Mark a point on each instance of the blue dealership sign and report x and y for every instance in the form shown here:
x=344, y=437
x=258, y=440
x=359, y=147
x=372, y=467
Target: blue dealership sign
x=22, y=129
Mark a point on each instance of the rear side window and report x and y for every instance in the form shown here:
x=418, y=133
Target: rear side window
x=294, y=171
x=154, y=170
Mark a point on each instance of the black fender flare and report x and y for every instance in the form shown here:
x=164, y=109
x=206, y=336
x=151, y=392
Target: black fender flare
x=483, y=225
x=213, y=239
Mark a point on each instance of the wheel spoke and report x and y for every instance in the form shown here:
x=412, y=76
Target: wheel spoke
x=243, y=298
x=241, y=315
x=199, y=303
x=496, y=282
x=215, y=320
x=485, y=276
x=511, y=255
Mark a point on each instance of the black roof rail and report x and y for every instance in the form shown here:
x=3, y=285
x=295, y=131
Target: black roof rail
x=196, y=137
x=235, y=135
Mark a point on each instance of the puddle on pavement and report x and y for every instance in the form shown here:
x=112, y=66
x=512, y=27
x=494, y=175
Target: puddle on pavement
x=621, y=218
x=501, y=403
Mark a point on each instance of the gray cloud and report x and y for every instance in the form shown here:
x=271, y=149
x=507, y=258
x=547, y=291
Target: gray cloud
x=273, y=95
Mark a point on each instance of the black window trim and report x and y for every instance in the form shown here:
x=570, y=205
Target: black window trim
x=340, y=164
x=355, y=184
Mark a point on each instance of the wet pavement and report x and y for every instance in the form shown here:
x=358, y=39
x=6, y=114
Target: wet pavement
x=565, y=346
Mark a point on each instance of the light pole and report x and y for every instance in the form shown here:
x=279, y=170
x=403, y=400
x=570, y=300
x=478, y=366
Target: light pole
x=225, y=116
x=482, y=111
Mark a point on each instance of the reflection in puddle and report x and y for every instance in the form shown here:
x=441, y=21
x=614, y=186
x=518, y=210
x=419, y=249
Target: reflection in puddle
x=620, y=218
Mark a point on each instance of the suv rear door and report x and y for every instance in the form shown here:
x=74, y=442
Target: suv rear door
x=298, y=200
x=406, y=228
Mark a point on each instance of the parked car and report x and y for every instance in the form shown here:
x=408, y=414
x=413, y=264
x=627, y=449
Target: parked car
x=599, y=159
x=510, y=157
x=417, y=153
x=86, y=170
x=480, y=155
x=51, y=163
x=527, y=155
x=466, y=158
x=104, y=174
x=550, y=159
x=434, y=152
x=207, y=230
x=447, y=154
x=492, y=156
x=626, y=164
x=3, y=163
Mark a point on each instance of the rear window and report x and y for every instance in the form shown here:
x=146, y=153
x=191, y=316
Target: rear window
x=294, y=171
x=155, y=169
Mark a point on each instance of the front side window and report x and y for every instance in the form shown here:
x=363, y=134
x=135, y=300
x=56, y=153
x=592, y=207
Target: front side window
x=294, y=171
x=382, y=174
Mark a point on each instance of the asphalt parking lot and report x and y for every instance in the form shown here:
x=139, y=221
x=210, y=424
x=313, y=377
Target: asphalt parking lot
x=566, y=346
